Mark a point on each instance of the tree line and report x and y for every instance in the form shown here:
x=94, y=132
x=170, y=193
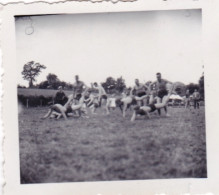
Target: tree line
x=112, y=85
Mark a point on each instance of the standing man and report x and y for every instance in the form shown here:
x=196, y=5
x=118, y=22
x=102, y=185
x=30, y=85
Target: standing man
x=101, y=93
x=78, y=88
x=196, y=97
x=160, y=85
x=140, y=90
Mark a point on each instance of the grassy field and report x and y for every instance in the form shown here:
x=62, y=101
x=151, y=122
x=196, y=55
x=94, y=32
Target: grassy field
x=103, y=148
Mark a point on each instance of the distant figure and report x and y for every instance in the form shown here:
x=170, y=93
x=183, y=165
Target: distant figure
x=78, y=88
x=60, y=97
x=196, y=98
x=161, y=87
x=187, y=100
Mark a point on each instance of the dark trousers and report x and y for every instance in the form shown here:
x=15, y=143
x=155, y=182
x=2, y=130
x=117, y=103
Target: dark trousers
x=196, y=104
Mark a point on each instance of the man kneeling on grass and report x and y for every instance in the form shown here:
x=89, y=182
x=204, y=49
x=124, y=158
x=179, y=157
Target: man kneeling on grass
x=57, y=110
x=145, y=110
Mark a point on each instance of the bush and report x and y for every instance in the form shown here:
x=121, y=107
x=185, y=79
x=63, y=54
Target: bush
x=34, y=101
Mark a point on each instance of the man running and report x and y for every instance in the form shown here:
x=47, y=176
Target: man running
x=146, y=110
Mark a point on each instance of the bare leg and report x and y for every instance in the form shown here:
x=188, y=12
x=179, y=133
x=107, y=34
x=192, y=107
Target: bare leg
x=107, y=106
x=164, y=102
x=54, y=114
x=57, y=108
x=159, y=101
x=124, y=109
x=148, y=115
x=47, y=115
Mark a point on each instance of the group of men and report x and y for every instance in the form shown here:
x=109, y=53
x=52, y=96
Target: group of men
x=144, y=98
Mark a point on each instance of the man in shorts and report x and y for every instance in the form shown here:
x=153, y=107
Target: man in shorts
x=140, y=90
x=101, y=93
x=78, y=88
x=161, y=87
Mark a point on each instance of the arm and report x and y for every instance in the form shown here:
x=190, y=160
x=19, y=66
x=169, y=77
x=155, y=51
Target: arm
x=141, y=98
x=131, y=92
x=70, y=98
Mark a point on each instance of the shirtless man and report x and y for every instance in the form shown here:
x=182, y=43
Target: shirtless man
x=110, y=103
x=146, y=110
x=140, y=90
x=101, y=93
x=161, y=87
x=60, y=110
x=78, y=88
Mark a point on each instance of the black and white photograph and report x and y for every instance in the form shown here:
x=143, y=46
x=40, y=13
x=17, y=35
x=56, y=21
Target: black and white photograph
x=110, y=96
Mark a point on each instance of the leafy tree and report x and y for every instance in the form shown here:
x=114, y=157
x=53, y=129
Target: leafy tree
x=180, y=88
x=31, y=70
x=120, y=84
x=52, y=78
x=20, y=86
x=114, y=85
x=53, y=81
x=109, y=85
x=192, y=87
x=43, y=85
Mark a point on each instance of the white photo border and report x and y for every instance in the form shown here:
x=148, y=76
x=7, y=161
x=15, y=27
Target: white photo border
x=210, y=34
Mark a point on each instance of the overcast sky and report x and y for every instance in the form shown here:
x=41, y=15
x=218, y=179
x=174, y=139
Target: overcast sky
x=131, y=45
